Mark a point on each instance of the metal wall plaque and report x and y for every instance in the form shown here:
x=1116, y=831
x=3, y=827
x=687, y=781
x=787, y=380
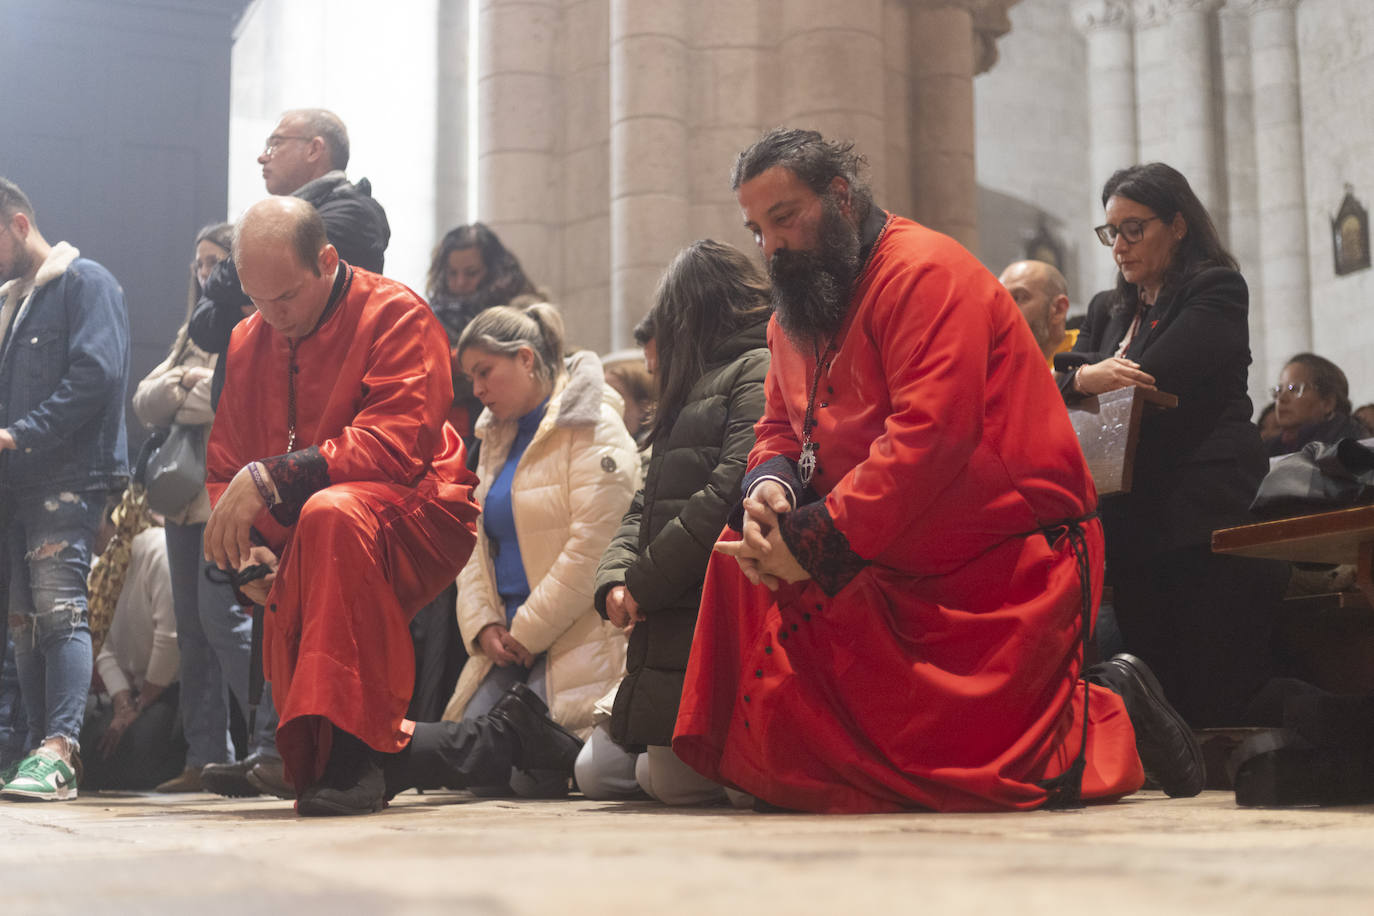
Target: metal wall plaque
x=1350, y=235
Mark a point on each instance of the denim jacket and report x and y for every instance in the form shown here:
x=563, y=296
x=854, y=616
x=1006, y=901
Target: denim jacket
x=64, y=368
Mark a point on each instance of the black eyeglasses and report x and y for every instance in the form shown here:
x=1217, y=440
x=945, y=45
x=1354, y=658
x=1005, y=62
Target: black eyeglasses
x=1132, y=229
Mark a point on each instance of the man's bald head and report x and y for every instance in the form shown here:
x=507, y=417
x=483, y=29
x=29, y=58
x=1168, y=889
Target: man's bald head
x=285, y=263
x=1042, y=295
x=284, y=222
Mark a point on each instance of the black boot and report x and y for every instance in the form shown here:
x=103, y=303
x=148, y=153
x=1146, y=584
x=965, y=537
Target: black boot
x=544, y=744
x=1168, y=751
x=352, y=782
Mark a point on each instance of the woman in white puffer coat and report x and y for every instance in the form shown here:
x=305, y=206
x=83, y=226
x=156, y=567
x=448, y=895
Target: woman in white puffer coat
x=557, y=471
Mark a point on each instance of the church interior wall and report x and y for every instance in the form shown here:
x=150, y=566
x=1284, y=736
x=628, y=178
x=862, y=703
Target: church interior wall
x=1336, y=43
x=1031, y=112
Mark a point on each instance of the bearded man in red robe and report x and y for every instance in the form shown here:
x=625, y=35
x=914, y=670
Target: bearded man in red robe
x=331, y=463
x=903, y=618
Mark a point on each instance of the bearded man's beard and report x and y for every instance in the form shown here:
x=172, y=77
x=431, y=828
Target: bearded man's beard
x=19, y=267
x=811, y=289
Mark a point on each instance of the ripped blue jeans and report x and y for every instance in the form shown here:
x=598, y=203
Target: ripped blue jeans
x=49, y=542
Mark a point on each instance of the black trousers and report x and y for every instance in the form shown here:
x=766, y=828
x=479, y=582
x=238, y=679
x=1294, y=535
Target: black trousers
x=453, y=755
x=439, y=656
x=1205, y=624
x=151, y=751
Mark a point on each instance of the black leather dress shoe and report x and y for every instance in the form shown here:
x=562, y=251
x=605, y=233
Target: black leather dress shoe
x=230, y=779
x=1168, y=751
x=366, y=796
x=268, y=776
x=544, y=744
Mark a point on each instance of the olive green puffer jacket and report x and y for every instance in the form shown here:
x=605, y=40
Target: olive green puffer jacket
x=665, y=539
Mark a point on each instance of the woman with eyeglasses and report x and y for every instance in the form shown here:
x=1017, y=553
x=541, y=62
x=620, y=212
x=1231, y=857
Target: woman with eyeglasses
x=1312, y=404
x=1178, y=321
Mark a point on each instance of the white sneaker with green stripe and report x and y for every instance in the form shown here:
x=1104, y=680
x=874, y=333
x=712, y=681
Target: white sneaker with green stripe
x=43, y=775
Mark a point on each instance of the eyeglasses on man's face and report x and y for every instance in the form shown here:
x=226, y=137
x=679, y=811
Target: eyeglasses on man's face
x=275, y=141
x=1295, y=390
x=1133, y=230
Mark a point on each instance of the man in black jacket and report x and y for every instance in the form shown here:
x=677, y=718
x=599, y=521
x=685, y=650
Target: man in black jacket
x=305, y=156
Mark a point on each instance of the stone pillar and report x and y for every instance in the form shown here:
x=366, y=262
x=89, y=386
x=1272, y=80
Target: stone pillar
x=451, y=116
x=518, y=118
x=1194, y=121
x=1284, y=280
x=832, y=74
x=649, y=143
x=944, y=57
x=1112, y=109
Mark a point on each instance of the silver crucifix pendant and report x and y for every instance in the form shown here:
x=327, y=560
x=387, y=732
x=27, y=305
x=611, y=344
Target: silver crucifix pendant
x=806, y=465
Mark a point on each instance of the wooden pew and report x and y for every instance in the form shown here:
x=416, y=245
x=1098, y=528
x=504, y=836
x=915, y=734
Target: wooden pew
x=1108, y=428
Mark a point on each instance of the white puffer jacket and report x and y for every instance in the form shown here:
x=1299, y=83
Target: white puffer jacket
x=569, y=492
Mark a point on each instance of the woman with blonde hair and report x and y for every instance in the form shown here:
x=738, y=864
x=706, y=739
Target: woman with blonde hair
x=557, y=470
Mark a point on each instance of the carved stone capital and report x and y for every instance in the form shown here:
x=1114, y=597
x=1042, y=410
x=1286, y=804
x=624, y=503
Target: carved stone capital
x=1093, y=15
x=1158, y=12
x=1260, y=6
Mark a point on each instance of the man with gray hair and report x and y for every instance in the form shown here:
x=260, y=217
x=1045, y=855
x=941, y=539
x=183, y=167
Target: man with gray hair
x=1042, y=294
x=64, y=365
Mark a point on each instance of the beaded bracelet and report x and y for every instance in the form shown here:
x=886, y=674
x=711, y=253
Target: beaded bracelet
x=268, y=494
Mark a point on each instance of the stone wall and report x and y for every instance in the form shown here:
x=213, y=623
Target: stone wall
x=1336, y=38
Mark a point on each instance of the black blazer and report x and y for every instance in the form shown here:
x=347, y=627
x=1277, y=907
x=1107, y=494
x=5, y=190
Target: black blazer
x=1198, y=465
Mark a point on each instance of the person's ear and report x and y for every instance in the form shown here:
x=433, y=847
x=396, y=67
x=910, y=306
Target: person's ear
x=329, y=261
x=1179, y=227
x=525, y=356
x=20, y=225
x=839, y=189
x=1059, y=308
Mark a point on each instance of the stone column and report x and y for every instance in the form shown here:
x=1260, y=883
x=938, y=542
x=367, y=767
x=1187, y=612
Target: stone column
x=518, y=118
x=1284, y=281
x=1112, y=108
x=649, y=142
x=831, y=74
x=944, y=56
x=1193, y=110
x=451, y=116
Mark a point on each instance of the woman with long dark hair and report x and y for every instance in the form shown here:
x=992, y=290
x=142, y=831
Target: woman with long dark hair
x=471, y=271
x=1178, y=321
x=710, y=319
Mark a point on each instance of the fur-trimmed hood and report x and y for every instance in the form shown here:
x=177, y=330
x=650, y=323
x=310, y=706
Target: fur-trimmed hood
x=59, y=258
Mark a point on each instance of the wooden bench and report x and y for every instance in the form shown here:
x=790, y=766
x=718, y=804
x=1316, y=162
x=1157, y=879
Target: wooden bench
x=1108, y=429
x=1339, y=536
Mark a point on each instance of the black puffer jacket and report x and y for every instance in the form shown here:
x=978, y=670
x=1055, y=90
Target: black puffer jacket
x=665, y=539
x=355, y=225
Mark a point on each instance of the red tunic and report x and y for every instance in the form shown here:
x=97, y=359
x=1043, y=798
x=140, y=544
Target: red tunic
x=933, y=660
x=377, y=514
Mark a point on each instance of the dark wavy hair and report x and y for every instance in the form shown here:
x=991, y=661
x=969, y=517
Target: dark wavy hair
x=505, y=277
x=1164, y=190
x=709, y=292
x=815, y=160
x=1327, y=378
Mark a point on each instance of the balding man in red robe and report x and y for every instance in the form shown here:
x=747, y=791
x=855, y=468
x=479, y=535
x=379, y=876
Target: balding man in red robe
x=904, y=619
x=331, y=463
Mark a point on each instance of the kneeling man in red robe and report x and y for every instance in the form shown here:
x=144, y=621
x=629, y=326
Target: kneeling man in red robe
x=331, y=463
x=902, y=620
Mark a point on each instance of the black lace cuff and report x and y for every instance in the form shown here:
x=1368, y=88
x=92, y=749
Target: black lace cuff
x=820, y=547
x=297, y=475
x=784, y=469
